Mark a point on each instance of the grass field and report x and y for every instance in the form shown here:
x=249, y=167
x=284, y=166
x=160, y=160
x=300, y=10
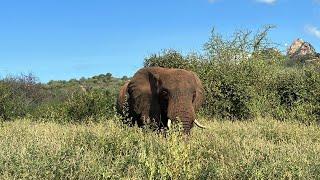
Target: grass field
x=259, y=149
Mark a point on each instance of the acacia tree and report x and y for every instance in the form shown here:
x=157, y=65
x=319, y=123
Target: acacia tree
x=242, y=45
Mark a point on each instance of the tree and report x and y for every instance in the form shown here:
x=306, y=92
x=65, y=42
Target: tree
x=108, y=76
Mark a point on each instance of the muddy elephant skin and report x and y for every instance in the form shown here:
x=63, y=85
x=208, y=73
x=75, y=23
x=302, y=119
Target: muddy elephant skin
x=158, y=96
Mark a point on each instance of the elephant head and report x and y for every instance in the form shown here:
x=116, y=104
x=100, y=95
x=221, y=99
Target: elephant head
x=160, y=95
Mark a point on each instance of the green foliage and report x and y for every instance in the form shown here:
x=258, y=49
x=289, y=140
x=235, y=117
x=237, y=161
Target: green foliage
x=168, y=58
x=102, y=81
x=246, y=77
x=95, y=103
x=55, y=112
x=74, y=101
x=7, y=106
x=251, y=88
x=271, y=55
x=19, y=95
x=229, y=93
x=80, y=106
x=260, y=149
x=241, y=45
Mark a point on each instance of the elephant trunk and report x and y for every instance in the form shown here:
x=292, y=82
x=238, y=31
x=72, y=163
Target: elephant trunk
x=184, y=114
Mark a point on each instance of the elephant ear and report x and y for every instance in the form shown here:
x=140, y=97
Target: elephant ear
x=199, y=92
x=122, y=98
x=142, y=89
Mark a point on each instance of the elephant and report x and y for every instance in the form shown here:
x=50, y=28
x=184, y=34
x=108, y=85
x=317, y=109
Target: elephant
x=160, y=96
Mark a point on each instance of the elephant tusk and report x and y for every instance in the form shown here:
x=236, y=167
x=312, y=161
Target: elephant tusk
x=169, y=123
x=199, y=125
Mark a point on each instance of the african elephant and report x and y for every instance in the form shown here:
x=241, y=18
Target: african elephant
x=158, y=96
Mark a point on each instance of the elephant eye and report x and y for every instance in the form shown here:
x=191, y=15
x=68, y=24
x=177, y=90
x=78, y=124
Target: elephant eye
x=164, y=94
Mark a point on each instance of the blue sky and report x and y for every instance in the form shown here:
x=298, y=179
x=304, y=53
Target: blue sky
x=63, y=39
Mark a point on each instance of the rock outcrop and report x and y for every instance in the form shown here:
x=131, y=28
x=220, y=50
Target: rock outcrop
x=301, y=51
x=300, y=48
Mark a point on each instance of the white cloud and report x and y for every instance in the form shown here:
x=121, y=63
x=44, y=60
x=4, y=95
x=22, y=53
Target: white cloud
x=313, y=30
x=267, y=1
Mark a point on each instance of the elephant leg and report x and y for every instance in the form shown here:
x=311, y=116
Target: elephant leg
x=150, y=116
x=143, y=120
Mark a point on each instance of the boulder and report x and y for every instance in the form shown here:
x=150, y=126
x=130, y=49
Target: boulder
x=300, y=48
x=301, y=51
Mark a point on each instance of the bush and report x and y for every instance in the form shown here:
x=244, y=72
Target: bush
x=23, y=95
x=246, y=77
x=95, y=103
x=9, y=108
x=229, y=93
x=167, y=58
x=19, y=95
x=80, y=106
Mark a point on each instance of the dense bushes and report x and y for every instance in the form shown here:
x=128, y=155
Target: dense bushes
x=244, y=79
x=257, y=88
x=78, y=107
x=96, y=103
x=19, y=95
x=22, y=96
x=229, y=89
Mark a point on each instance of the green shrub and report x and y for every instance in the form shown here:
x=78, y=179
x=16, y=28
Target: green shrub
x=245, y=76
x=8, y=107
x=229, y=94
x=95, y=103
x=19, y=95
x=22, y=96
x=168, y=58
x=80, y=106
x=55, y=112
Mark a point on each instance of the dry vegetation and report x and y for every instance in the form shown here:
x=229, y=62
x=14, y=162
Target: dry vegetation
x=259, y=149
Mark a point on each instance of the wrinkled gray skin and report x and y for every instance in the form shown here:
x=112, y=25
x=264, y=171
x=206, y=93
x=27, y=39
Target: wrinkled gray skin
x=157, y=94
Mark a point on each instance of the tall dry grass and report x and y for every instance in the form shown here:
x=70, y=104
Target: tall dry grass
x=259, y=149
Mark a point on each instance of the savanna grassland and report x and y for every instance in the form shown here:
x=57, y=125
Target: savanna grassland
x=262, y=110
x=258, y=149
